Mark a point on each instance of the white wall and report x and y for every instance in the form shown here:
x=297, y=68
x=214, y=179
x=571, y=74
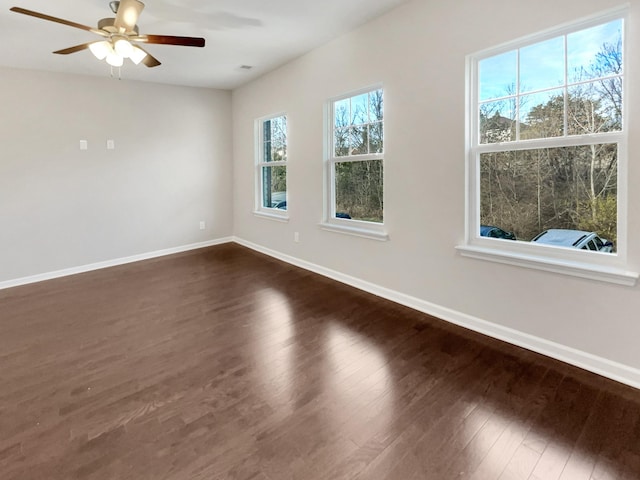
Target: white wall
x=418, y=52
x=61, y=207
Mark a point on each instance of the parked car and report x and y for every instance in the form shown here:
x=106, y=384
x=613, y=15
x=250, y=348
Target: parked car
x=574, y=239
x=279, y=200
x=496, y=232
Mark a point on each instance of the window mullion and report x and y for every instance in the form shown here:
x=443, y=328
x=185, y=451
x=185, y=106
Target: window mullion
x=517, y=95
x=553, y=142
x=565, y=119
x=358, y=158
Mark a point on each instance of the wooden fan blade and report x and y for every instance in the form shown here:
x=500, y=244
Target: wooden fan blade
x=150, y=61
x=77, y=48
x=31, y=13
x=170, y=40
x=127, y=16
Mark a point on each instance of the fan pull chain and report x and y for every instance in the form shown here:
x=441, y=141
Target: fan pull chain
x=119, y=72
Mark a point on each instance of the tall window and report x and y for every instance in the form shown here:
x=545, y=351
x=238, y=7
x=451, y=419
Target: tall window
x=356, y=159
x=547, y=145
x=272, y=165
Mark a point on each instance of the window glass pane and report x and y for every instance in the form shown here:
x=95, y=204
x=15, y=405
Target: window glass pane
x=274, y=187
x=341, y=113
x=497, y=76
x=359, y=190
x=359, y=109
x=376, y=138
x=358, y=125
x=279, y=139
x=341, y=142
x=358, y=141
x=497, y=121
x=274, y=132
x=542, y=65
x=595, y=107
x=542, y=114
x=376, y=106
x=595, y=52
x=278, y=153
x=266, y=147
x=566, y=188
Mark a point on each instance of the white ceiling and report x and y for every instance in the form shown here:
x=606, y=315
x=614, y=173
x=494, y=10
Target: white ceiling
x=261, y=33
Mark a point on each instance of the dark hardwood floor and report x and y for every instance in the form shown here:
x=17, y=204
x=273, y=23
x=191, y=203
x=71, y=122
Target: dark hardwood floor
x=226, y=364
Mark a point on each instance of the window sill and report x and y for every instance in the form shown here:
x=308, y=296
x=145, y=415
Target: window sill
x=566, y=267
x=371, y=234
x=278, y=217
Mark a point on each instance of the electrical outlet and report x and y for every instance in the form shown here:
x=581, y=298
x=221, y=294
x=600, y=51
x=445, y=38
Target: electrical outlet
x=296, y=237
x=202, y=225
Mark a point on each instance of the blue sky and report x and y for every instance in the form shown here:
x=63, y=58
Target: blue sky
x=542, y=64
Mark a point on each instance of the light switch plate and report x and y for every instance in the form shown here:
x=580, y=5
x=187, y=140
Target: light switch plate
x=84, y=145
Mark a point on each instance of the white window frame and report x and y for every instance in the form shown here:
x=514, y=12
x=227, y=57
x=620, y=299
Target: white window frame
x=359, y=228
x=592, y=265
x=259, y=209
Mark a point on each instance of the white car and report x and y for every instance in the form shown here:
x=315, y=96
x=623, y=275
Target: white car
x=580, y=239
x=279, y=200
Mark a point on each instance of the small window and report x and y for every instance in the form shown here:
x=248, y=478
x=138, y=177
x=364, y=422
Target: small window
x=355, y=164
x=271, y=166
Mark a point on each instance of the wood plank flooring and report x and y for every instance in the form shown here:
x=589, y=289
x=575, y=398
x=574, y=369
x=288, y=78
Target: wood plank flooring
x=226, y=364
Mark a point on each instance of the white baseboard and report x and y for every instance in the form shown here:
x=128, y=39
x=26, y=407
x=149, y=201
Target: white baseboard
x=587, y=361
x=109, y=263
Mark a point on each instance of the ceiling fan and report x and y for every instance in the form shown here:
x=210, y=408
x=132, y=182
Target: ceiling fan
x=121, y=38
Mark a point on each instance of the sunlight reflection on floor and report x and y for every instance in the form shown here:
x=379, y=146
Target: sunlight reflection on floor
x=360, y=383
x=273, y=355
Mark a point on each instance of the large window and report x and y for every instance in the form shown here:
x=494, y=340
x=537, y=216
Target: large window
x=355, y=164
x=271, y=165
x=547, y=142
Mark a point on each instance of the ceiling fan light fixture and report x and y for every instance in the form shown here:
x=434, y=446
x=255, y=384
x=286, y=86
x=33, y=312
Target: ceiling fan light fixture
x=101, y=49
x=137, y=55
x=121, y=30
x=115, y=60
x=123, y=48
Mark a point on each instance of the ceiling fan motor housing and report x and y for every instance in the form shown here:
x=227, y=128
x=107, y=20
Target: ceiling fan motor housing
x=107, y=24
